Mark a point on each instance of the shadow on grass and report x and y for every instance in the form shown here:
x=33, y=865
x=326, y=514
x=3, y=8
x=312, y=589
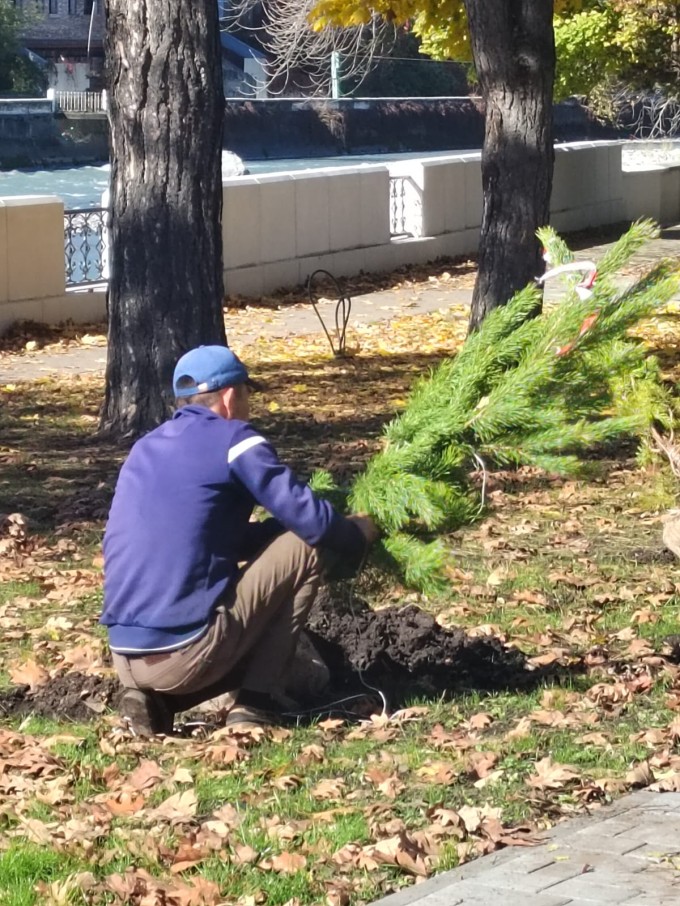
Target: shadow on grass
x=319, y=414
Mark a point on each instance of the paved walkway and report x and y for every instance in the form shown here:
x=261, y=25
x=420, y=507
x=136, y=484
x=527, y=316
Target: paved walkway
x=294, y=320
x=628, y=853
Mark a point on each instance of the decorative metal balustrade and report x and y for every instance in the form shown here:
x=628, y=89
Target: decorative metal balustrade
x=397, y=206
x=405, y=207
x=86, y=246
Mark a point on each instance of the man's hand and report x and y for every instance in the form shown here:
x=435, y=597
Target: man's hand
x=366, y=526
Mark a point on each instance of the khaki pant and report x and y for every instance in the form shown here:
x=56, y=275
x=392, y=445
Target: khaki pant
x=253, y=634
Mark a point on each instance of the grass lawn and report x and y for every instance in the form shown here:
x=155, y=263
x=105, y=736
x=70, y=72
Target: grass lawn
x=571, y=572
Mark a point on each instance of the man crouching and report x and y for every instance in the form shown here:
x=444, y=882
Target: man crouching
x=185, y=621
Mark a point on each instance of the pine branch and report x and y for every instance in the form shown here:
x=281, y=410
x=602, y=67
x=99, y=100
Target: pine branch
x=523, y=389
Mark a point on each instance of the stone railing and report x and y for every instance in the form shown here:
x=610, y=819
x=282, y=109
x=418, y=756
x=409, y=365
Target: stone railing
x=279, y=228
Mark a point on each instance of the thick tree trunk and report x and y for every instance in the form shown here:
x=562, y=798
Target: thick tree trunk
x=513, y=47
x=166, y=113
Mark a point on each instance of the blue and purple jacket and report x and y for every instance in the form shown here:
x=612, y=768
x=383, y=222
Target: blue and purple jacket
x=180, y=523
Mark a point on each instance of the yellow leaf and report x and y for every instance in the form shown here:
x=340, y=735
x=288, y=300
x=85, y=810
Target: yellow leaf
x=273, y=406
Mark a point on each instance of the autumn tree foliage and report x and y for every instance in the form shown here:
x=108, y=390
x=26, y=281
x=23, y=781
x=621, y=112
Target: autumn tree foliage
x=624, y=54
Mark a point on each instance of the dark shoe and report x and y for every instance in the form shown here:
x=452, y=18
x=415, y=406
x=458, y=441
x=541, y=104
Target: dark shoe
x=247, y=717
x=146, y=713
x=258, y=709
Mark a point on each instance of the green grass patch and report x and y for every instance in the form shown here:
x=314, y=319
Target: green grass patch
x=23, y=866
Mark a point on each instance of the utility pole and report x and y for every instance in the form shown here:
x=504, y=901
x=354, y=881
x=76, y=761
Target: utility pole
x=335, y=74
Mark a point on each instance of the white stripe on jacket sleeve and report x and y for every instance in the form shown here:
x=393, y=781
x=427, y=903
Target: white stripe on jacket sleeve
x=243, y=447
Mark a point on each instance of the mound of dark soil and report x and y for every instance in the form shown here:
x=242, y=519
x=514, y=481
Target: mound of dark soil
x=402, y=651
x=71, y=696
x=405, y=653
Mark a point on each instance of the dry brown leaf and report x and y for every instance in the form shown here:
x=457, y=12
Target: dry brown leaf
x=471, y=818
x=438, y=772
x=329, y=788
x=176, y=808
x=530, y=597
x=182, y=775
x=244, y=855
x=147, y=774
x=403, y=851
x=481, y=764
x=28, y=673
x=641, y=775
x=284, y=863
x=595, y=739
x=228, y=814
x=480, y=721
x=551, y=775
x=311, y=754
x=125, y=803
x=287, y=782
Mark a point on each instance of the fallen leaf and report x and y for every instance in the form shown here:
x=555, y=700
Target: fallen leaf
x=284, y=863
x=551, y=775
x=28, y=673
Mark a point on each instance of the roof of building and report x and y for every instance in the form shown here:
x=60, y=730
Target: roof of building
x=240, y=48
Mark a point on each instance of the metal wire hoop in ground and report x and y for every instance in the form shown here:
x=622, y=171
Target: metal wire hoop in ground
x=343, y=308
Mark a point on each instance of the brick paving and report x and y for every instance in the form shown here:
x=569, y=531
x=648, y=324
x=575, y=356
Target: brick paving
x=623, y=853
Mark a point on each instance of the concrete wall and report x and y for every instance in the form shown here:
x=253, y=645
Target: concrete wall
x=279, y=228
x=32, y=274
x=21, y=119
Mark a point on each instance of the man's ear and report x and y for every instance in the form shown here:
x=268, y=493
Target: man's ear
x=228, y=400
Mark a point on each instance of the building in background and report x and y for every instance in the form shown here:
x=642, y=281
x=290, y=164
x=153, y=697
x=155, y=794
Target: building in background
x=68, y=36
x=243, y=68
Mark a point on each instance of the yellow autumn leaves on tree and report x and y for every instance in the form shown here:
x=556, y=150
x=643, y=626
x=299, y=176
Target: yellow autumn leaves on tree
x=442, y=25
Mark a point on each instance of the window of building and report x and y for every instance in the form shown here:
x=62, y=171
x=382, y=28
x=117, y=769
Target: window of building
x=87, y=7
x=72, y=7
x=54, y=7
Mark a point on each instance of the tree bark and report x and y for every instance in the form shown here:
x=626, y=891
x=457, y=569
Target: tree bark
x=166, y=287
x=513, y=47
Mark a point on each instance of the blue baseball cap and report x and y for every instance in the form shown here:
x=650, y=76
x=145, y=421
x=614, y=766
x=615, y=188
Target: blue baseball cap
x=209, y=368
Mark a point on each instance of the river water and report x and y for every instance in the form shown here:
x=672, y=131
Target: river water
x=82, y=187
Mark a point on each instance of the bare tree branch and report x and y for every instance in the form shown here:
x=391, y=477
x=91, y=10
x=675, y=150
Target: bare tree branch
x=300, y=58
x=648, y=114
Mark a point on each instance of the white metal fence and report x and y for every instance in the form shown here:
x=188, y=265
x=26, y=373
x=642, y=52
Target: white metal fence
x=80, y=101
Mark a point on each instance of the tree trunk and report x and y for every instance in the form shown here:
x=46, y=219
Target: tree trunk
x=513, y=48
x=166, y=288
